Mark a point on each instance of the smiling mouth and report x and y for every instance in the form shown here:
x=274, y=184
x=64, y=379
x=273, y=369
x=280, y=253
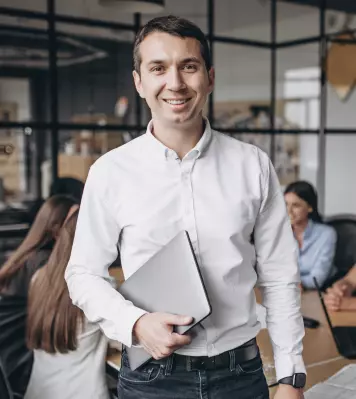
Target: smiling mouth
x=177, y=102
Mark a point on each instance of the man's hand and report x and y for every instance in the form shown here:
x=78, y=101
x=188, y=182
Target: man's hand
x=154, y=331
x=285, y=391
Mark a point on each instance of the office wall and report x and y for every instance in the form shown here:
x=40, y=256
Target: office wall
x=340, y=182
x=244, y=74
x=340, y=186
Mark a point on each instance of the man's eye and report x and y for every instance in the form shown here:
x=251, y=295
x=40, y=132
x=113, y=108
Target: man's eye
x=190, y=67
x=157, y=69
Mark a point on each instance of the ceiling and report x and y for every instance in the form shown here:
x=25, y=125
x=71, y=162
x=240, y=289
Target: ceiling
x=246, y=19
x=229, y=14
x=235, y=65
x=348, y=6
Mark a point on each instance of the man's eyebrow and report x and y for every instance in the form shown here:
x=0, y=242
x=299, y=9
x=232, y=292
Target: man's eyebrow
x=191, y=59
x=155, y=62
x=184, y=61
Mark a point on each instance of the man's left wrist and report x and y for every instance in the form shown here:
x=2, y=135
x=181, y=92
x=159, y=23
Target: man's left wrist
x=287, y=391
x=297, y=381
x=290, y=388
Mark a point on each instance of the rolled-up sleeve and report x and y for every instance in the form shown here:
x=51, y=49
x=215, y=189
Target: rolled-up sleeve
x=94, y=250
x=278, y=276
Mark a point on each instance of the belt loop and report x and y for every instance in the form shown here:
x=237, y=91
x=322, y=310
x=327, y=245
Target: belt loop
x=189, y=364
x=232, y=360
x=169, y=365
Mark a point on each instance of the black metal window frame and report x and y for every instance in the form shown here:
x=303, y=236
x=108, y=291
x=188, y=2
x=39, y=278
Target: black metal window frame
x=54, y=125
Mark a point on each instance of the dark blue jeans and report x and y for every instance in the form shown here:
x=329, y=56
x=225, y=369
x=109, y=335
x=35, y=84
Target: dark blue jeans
x=164, y=381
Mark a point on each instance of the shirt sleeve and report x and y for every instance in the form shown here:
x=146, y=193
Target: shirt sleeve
x=94, y=250
x=278, y=277
x=323, y=261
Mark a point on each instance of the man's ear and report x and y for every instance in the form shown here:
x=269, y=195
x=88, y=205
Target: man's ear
x=211, y=77
x=138, y=84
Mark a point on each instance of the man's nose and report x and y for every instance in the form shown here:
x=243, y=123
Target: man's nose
x=175, y=80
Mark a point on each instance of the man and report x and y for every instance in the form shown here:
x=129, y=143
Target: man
x=181, y=175
x=339, y=296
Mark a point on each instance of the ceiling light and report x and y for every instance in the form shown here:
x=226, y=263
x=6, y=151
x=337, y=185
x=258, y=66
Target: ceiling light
x=135, y=6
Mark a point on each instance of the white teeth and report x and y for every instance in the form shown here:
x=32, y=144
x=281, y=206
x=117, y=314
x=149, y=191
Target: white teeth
x=176, y=102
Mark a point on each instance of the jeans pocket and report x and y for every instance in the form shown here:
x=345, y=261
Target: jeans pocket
x=143, y=375
x=253, y=366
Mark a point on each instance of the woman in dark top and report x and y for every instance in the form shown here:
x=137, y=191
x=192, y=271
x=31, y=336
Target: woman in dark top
x=34, y=251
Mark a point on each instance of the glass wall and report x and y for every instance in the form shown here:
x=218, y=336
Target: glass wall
x=80, y=101
x=24, y=95
x=296, y=21
x=250, y=23
x=95, y=76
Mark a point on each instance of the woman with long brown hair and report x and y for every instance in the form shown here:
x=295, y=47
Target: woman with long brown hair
x=69, y=352
x=34, y=251
x=15, y=277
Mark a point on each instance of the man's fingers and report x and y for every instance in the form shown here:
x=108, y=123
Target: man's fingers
x=174, y=342
x=177, y=320
x=181, y=340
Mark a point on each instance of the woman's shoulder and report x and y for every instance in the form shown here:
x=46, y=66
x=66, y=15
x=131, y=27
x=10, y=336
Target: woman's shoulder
x=325, y=231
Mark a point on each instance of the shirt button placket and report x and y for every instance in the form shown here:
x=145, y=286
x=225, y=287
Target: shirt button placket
x=189, y=217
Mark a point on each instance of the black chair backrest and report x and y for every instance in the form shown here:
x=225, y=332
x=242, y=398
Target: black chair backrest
x=5, y=390
x=345, y=227
x=16, y=359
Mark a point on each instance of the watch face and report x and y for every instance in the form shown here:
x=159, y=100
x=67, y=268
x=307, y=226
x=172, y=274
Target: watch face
x=299, y=380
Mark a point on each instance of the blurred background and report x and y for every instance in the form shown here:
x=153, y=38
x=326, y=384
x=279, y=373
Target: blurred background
x=285, y=74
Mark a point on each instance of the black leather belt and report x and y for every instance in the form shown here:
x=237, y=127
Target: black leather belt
x=243, y=353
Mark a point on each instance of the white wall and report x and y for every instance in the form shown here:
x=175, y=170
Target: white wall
x=340, y=182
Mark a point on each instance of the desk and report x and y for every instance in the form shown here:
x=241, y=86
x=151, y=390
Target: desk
x=320, y=354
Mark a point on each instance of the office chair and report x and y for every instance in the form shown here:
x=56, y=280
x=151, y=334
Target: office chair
x=5, y=390
x=16, y=359
x=345, y=255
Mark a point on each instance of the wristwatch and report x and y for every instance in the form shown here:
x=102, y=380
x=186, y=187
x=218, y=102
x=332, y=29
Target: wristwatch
x=297, y=380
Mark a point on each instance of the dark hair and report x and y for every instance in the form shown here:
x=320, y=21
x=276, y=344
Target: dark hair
x=306, y=192
x=44, y=229
x=175, y=26
x=68, y=186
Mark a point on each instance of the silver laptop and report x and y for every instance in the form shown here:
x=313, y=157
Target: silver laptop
x=169, y=282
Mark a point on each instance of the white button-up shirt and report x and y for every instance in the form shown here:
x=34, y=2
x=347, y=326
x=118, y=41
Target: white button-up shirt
x=223, y=193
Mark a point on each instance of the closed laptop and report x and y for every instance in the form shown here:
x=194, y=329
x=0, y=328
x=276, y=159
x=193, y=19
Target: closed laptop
x=169, y=282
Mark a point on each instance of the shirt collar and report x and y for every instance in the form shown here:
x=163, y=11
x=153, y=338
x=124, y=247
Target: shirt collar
x=158, y=149
x=309, y=229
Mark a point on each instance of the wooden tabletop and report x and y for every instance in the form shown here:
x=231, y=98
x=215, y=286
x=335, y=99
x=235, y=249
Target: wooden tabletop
x=320, y=355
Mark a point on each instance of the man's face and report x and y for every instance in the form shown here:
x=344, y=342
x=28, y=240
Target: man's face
x=173, y=78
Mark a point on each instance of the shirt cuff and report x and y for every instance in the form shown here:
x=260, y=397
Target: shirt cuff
x=287, y=365
x=131, y=317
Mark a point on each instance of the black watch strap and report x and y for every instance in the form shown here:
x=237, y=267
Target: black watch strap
x=296, y=380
